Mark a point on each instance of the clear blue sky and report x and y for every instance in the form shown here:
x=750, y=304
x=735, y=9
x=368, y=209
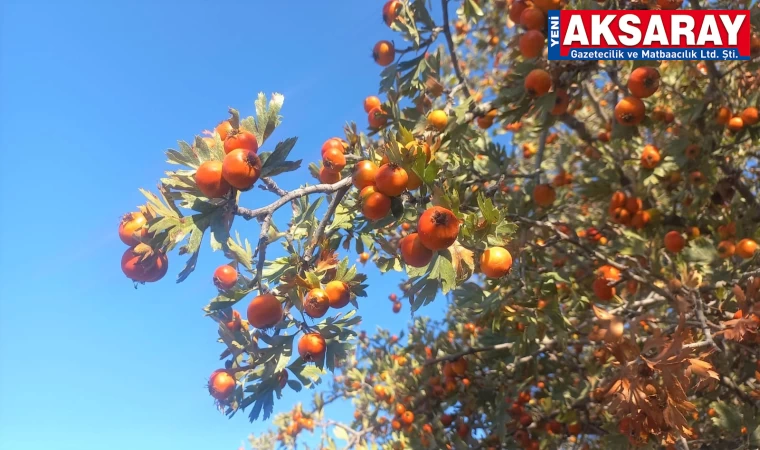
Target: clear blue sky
x=92, y=94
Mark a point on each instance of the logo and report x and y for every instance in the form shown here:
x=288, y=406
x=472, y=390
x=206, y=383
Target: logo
x=644, y=35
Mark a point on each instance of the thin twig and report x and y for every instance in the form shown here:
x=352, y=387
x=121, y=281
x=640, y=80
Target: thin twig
x=470, y=351
x=249, y=214
x=452, y=48
x=262, y=249
x=540, y=154
x=271, y=186
x=309, y=252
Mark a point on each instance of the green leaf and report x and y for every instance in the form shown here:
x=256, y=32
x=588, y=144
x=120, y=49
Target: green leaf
x=728, y=418
x=340, y=433
x=219, y=232
x=446, y=273
x=267, y=116
x=280, y=153
x=388, y=78
x=405, y=135
x=287, y=166
x=295, y=385
x=471, y=9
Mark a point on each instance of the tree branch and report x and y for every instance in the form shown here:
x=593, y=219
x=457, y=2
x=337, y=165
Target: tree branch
x=540, y=154
x=470, y=351
x=249, y=214
x=452, y=48
x=271, y=186
x=309, y=252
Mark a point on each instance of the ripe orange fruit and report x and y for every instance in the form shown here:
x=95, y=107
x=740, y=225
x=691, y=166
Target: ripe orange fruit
x=532, y=44
x=728, y=230
x=633, y=205
x=692, y=151
x=210, y=181
x=312, y=347
x=538, y=82
x=621, y=216
x=396, y=425
x=726, y=249
x=332, y=143
x=221, y=385
x=413, y=252
x=459, y=366
x=133, y=228
x=516, y=9
x=390, y=11
x=396, y=307
x=562, y=179
x=533, y=18
x=224, y=129
x=235, y=323
x=674, y=241
x=644, y=82
x=669, y=4
x=735, y=124
x=485, y=122
x=375, y=205
x=391, y=180
x=328, y=176
x=750, y=116
x=338, y=293
x=151, y=268
x=384, y=53
x=241, y=168
x=609, y=273
x=630, y=111
x=377, y=118
x=696, y=177
x=602, y=289
x=544, y=195
x=407, y=418
x=554, y=427
x=225, y=277
x=618, y=200
x=316, y=303
x=264, y=311
x=650, y=157
x=746, y=248
x=438, y=228
x=547, y=5
x=560, y=104
x=241, y=139
x=415, y=147
x=437, y=119
x=414, y=181
x=723, y=115
x=334, y=159
x=641, y=219
x=495, y=262
x=364, y=174
x=371, y=102
x=574, y=428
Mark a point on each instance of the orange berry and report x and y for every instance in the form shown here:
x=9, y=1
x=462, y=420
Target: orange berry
x=674, y=241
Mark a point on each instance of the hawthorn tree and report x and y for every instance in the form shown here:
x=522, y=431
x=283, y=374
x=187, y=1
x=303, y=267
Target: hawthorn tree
x=601, y=269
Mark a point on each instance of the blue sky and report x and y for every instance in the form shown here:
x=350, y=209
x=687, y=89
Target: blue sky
x=92, y=94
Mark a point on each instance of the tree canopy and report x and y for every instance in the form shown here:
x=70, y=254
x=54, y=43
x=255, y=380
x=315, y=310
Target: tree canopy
x=591, y=224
